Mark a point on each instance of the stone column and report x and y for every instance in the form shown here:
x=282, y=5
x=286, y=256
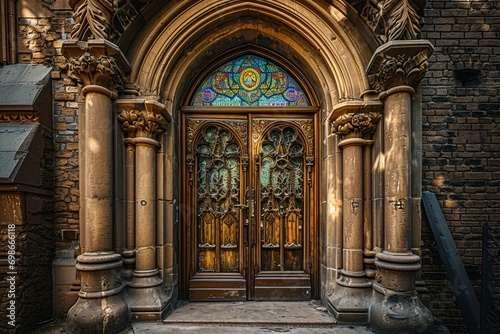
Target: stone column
x=368, y=252
x=101, y=307
x=143, y=122
x=395, y=69
x=351, y=297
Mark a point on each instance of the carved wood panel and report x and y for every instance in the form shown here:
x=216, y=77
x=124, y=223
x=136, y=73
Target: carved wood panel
x=218, y=182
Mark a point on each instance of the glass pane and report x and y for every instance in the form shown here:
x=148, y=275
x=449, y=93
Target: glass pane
x=250, y=81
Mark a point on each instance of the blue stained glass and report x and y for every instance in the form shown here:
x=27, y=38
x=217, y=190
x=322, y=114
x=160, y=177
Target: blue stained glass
x=250, y=81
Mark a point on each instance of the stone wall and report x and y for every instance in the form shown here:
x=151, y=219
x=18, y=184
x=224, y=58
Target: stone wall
x=461, y=136
x=42, y=39
x=41, y=33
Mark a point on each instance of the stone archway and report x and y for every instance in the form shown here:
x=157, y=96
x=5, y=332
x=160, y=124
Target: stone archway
x=336, y=52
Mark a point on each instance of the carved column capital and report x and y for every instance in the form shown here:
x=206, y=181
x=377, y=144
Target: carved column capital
x=96, y=62
x=399, y=63
x=142, y=118
x=356, y=124
x=356, y=119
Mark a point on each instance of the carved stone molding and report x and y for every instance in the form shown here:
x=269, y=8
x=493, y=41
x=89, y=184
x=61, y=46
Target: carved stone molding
x=359, y=124
x=92, y=19
x=399, y=63
x=394, y=19
x=103, y=19
x=142, y=118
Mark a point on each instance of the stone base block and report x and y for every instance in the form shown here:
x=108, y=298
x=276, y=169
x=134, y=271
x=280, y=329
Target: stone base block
x=351, y=298
x=147, y=298
x=98, y=315
x=397, y=312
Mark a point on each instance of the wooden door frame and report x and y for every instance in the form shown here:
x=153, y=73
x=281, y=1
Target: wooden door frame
x=185, y=230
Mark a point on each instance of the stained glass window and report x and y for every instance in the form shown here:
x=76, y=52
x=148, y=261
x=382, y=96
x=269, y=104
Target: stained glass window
x=250, y=81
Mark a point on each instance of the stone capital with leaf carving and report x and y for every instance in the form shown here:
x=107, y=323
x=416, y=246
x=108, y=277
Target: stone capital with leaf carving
x=356, y=119
x=91, y=70
x=356, y=124
x=142, y=118
x=399, y=63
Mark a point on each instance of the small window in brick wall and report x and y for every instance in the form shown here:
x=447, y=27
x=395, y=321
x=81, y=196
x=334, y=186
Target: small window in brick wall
x=468, y=77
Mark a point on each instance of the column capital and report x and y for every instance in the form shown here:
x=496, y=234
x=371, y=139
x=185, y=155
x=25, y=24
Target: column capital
x=356, y=119
x=142, y=118
x=96, y=62
x=399, y=63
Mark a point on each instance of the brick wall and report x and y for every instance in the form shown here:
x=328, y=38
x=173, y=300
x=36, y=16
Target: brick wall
x=461, y=137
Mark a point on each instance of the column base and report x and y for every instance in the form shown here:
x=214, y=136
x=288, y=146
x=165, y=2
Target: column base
x=101, y=307
x=147, y=298
x=351, y=298
x=128, y=265
x=396, y=307
x=399, y=312
x=369, y=265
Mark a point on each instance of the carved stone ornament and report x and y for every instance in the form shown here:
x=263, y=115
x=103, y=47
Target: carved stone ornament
x=103, y=19
x=142, y=120
x=19, y=117
x=356, y=123
x=394, y=19
x=399, y=63
x=91, y=70
x=92, y=19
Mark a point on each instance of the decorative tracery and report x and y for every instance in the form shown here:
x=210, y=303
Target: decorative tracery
x=282, y=198
x=218, y=156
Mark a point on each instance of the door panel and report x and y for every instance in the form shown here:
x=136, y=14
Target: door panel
x=282, y=190
x=248, y=207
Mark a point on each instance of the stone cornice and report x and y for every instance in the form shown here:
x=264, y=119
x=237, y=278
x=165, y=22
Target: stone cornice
x=399, y=63
x=142, y=118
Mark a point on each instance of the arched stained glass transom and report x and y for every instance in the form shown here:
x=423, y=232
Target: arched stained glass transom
x=250, y=81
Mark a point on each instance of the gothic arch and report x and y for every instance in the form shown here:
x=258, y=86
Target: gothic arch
x=352, y=78
x=317, y=37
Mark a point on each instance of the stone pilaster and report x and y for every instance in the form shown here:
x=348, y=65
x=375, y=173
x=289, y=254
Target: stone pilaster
x=143, y=122
x=101, y=307
x=395, y=70
x=351, y=298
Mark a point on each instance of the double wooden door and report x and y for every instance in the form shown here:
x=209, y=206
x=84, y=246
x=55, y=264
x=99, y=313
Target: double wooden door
x=248, y=228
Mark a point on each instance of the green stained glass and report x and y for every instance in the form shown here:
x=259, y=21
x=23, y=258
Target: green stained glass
x=250, y=81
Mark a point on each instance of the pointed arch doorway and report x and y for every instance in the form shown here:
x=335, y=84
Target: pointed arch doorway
x=249, y=225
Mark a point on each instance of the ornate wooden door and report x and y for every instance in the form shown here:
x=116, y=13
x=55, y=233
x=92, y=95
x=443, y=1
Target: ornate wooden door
x=249, y=225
